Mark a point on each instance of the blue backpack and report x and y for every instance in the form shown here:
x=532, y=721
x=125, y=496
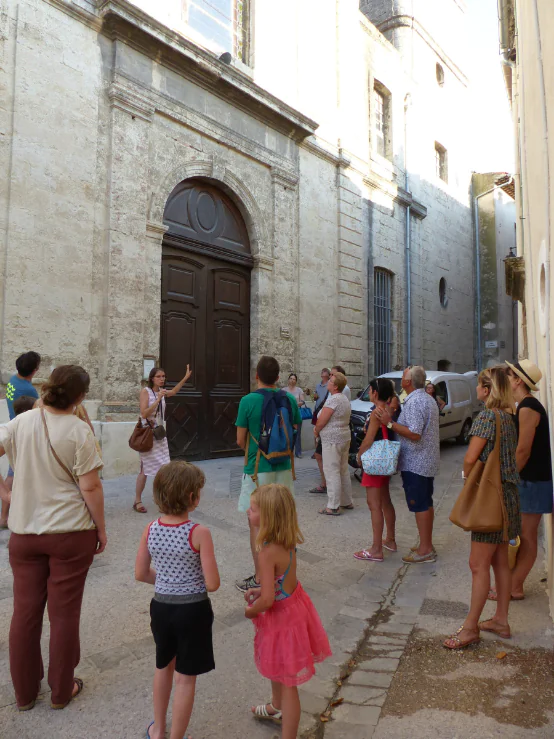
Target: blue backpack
x=277, y=433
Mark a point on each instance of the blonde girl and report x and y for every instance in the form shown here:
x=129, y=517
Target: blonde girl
x=289, y=635
x=487, y=550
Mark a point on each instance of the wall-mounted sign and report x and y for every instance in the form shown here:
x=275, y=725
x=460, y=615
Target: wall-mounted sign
x=148, y=366
x=491, y=344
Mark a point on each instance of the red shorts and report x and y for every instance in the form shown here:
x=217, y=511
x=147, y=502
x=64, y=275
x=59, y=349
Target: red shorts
x=374, y=481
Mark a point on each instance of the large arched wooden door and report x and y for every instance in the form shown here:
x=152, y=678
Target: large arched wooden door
x=205, y=319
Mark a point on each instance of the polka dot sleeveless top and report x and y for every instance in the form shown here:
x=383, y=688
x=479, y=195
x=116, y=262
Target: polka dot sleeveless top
x=176, y=561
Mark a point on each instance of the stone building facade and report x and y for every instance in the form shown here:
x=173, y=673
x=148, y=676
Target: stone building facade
x=160, y=203
x=528, y=62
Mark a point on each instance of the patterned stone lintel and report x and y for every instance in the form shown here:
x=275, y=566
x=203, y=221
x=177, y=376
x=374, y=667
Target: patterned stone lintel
x=284, y=178
x=262, y=262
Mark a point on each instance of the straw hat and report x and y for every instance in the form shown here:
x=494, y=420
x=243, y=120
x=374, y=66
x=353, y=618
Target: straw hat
x=528, y=372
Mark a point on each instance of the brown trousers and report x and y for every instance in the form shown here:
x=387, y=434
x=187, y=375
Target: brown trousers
x=47, y=568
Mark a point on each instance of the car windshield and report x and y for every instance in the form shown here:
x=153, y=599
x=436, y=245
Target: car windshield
x=396, y=381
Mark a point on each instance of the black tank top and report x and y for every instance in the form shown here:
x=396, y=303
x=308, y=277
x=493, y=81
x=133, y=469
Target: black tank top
x=539, y=466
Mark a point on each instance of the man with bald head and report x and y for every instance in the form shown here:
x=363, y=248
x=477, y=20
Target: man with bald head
x=418, y=431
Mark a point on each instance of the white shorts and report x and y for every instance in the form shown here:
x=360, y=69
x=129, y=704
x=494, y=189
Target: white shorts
x=283, y=477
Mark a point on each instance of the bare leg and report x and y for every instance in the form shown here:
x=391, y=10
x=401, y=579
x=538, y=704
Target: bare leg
x=291, y=712
x=374, y=502
x=424, y=521
x=253, y=536
x=183, y=701
x=389, y=514
x=503, y=580
x=141, y=483
x=163, y=682
x=319, y=460
x=480, y=564
x=6, y=506
x=276, y=699
x=527, y=553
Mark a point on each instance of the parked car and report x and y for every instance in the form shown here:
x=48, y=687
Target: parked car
x=457, y=391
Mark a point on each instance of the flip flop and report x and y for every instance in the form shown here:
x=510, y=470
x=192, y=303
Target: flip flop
x=139, y=508
x=493, y=596
x=460, y=644
x=148, y=730
x=365, y=555
x=389, y=549
x=329, y=512
x=501, y=630
x=348, y=507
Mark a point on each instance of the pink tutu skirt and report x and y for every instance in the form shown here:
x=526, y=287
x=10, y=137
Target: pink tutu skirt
x=290, y=639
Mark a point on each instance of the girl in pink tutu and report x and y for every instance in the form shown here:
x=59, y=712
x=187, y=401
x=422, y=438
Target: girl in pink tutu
x=289, y=635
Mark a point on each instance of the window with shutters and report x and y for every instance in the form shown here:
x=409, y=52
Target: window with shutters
x=381, y=121
x=382, y=320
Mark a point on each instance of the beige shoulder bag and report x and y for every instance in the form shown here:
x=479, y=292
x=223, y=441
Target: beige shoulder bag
x=480, y=505
x=58, y=460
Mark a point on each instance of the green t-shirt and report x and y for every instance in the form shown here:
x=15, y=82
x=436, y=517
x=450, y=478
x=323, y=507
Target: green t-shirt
x=250, y=417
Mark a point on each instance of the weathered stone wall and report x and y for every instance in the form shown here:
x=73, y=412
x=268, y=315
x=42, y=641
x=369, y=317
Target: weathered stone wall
x=106, y=111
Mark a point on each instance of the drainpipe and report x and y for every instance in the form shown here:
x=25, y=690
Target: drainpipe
x=478, y=269
x=407, y=242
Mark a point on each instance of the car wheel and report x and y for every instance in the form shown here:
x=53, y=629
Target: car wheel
x=463, y=438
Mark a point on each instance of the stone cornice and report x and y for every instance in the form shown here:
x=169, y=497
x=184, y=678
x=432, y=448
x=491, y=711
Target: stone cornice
x=407, y=21
x=121, y=20
x=123, y=97
x=314, y=147
x=80, y=14
x=262, y=262
x=284, y=178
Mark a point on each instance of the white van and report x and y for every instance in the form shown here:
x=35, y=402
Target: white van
x=458, y=392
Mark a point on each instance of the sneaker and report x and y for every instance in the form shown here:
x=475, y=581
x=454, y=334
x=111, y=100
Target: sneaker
x=244, y=585
x=319, y=489
x=418, y=559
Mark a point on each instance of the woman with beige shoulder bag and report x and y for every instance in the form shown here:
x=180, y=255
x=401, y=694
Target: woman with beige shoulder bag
x=491, y=548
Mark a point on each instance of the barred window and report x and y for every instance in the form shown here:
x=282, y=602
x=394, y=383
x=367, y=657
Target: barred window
x=382, y=320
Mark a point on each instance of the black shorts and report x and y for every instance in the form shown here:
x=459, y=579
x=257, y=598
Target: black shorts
x=319, y=447
x=183, y=631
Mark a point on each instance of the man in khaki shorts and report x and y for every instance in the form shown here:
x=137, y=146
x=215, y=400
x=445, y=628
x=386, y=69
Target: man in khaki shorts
x=248, y=423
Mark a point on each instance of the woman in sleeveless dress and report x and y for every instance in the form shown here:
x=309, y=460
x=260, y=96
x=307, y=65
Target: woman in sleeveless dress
x=152, y=410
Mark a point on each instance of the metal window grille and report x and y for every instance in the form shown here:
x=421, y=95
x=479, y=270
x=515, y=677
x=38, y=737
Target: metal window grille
x=382, y=320
x=379, y=105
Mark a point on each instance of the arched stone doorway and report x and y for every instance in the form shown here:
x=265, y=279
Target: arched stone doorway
x=205, y=318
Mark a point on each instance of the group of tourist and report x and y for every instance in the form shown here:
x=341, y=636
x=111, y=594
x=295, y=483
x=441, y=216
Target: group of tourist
x=57, y=526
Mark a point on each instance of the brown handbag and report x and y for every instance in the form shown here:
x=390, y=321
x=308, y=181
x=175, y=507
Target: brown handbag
x=480, y=505
x=142, y=438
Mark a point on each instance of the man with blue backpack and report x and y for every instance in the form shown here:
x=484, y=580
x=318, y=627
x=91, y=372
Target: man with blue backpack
x=267, y=423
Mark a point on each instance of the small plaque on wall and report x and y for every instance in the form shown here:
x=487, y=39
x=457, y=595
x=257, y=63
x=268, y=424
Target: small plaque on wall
x=148, y=365
x=285, y=332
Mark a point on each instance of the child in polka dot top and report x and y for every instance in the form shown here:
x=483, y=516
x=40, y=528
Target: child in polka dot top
x=177, y=557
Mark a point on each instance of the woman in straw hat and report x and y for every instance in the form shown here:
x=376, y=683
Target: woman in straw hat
x=534, y=467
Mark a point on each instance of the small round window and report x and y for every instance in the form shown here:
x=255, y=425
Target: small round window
x=442, y=292
x=440, y=75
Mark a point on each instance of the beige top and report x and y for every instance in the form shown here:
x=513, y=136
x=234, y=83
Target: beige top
x=44, y=499
x=337, y=429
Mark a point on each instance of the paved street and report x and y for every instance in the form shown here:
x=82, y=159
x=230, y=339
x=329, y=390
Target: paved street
x=117, y=649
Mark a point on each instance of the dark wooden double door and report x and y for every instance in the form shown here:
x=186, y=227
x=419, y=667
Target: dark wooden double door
x=204, y=323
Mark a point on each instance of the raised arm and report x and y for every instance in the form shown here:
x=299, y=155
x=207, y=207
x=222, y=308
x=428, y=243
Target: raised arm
x=179, y=385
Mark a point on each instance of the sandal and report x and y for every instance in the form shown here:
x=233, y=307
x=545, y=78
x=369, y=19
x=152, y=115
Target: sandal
x=366, y=555
x=262, y=714
x=80, y=685
x=329, y=512
x=27, y=707
x=139, y=508
x=457, y=643
x=319, y=490
x=348, y=507
x=387, y=545
x=501, y=630
x=493, y=596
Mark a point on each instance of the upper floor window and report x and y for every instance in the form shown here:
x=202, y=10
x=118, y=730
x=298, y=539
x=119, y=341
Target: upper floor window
x=440, y=75
x=220, y=25
x=381, y=103
x=441, y=162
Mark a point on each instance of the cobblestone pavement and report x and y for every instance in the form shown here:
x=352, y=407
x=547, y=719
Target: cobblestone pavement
x=368, y=609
